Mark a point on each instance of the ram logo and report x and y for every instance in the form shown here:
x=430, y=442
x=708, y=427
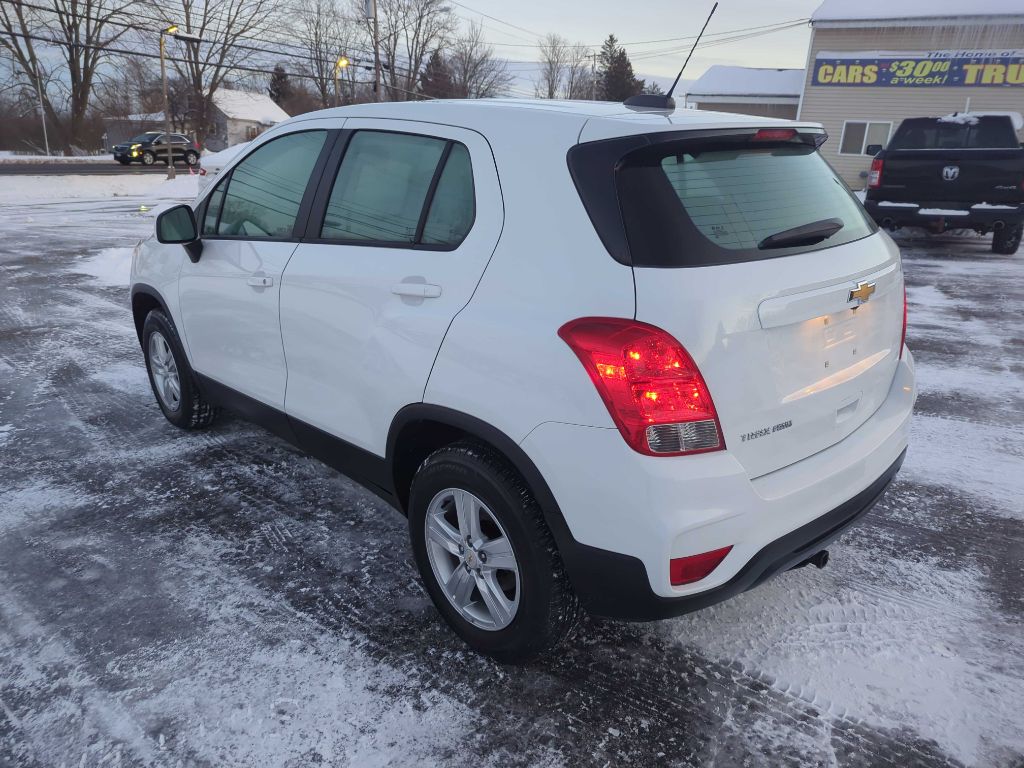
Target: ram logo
x=950, y=172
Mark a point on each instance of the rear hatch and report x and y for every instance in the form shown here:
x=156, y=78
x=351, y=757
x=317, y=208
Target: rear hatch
x=795, y=328
x=934, y=160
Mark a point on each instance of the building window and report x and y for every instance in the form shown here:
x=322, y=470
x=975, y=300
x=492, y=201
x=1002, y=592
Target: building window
x=859, y=135
x=252, y=131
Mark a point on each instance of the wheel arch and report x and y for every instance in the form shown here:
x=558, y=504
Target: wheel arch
x=146, y=298
x=420, y=429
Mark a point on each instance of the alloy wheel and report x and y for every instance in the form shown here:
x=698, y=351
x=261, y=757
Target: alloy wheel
x=472, y=559
x=165, y=372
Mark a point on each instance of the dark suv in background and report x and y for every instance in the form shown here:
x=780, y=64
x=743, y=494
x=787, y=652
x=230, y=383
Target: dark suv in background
x=148, y=148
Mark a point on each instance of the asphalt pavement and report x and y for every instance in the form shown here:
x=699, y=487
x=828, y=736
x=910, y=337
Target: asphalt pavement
x=109, y=168
x=218, y=599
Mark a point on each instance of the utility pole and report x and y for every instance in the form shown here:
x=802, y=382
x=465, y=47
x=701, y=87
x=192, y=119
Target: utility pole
x=370, y=12
x=167, y=107
x=339, y=65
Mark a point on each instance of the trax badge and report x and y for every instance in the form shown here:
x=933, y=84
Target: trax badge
x=862, y=292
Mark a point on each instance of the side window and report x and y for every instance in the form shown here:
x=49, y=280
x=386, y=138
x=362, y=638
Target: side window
x=264, y=191
x=381, y=187
x=454, y=206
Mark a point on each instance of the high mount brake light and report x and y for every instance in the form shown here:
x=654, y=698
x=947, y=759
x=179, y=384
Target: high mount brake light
x=775, y=134
x=875, y=174
x=652, y=388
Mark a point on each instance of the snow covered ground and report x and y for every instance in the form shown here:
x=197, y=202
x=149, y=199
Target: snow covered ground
x=217, y=599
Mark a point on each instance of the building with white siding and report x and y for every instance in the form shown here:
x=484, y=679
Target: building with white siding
x=873, y=63
x=748, y=91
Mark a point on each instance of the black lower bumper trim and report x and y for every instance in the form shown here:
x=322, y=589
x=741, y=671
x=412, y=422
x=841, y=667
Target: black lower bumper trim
x=616, y=585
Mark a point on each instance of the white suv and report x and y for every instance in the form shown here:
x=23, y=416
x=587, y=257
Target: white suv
x=627, y=361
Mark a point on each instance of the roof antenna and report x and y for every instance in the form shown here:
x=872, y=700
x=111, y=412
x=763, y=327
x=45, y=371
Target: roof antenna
x=657, y=101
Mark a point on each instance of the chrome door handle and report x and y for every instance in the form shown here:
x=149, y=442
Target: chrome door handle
x=260, y=282
x=417, y=290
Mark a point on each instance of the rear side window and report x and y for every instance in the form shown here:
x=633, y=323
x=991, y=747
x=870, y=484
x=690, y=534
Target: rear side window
x=402, y=190
x=264, y=192
x=694, y=204
x=963, y=132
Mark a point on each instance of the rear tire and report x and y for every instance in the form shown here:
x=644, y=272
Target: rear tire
x=170, y=376
x=540, y=608
x=191, y=159
x=1007, y=240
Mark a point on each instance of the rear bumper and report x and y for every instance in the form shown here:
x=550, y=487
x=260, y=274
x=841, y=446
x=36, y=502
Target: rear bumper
x=628, y=515
x=942, y=216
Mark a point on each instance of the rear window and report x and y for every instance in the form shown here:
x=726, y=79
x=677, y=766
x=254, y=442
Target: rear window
x=966, y=132
x=697, y=203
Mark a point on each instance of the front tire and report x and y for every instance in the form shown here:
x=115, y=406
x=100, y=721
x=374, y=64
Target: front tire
x=1007, y=240
x=148, y=158
x=170, y=376
x=486, y=555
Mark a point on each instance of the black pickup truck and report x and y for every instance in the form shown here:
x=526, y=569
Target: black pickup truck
x=962, y=171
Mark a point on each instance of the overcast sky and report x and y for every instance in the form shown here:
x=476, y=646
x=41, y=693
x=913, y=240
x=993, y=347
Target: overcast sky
x=590, y=22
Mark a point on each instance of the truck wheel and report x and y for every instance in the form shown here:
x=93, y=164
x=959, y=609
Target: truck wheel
x=1007, y=240
x=486, y=555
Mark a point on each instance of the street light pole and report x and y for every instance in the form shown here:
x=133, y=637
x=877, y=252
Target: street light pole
x=339, y=65
x=376, y=53
x=167, y=107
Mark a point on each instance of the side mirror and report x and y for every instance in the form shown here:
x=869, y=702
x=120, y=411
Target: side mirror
x=873, y=149
x=177, y=226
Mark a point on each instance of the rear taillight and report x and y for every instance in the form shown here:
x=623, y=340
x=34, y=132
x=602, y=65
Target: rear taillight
x=903, y=335
x=875, y=174
x=686, y=570
x=649, y=383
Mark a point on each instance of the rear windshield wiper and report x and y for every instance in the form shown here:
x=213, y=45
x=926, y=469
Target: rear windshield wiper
x=805, y=234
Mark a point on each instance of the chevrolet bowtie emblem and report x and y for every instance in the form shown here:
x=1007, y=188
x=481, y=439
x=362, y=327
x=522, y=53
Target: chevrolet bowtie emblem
x=862, y=292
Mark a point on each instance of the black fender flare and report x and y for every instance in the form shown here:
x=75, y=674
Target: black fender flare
x=143, y=289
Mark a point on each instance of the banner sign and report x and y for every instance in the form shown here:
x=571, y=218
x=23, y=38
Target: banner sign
x=949, y=69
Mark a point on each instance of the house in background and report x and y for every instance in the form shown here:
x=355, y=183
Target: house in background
x=241, y=116
x=748, y=91
x=237, y=116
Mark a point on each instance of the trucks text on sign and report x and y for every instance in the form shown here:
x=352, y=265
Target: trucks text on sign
x=920, y=68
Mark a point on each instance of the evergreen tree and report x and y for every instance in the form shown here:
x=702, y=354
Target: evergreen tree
x=651, y=88
x=437, y=78
x=615, y=78
x=280, y=89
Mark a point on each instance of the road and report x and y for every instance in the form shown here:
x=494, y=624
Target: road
x=111, y=168
x=217, y=599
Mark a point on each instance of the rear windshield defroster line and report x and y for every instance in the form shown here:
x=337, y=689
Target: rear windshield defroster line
x=699, y=199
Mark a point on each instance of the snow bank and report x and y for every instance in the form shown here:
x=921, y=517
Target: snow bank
x=111, y=266
x=22, y=189
x=971, y=118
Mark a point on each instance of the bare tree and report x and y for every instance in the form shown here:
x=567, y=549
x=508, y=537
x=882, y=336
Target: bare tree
x=82, y=31
x=579, y=74
x=565, y=71
x=554, y=60
x=223, y=26
x=321, y=29
x=476, y=73
x=410, y=30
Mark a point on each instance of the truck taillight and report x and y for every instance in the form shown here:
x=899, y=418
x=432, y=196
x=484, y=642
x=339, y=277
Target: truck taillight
x=652, y=388
x=903, y=335
x=875, y=175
